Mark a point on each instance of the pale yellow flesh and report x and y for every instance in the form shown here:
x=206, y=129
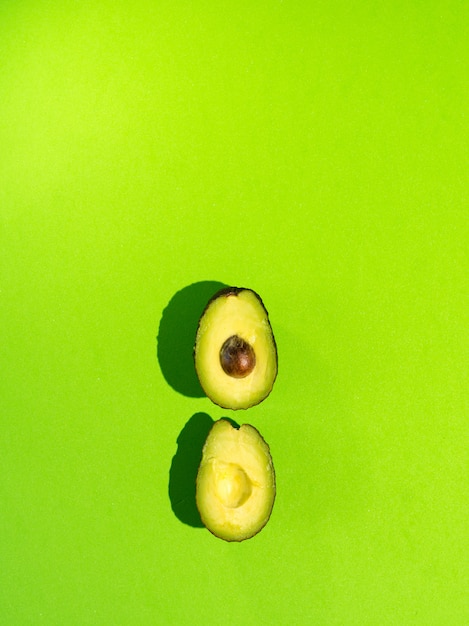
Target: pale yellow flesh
x=236, y=482
x=241, y=315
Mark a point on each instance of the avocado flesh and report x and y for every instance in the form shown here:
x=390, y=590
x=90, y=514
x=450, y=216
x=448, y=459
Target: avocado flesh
x=235, y=488
x=238, y=313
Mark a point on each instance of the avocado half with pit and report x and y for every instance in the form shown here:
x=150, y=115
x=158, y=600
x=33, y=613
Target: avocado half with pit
x=235, y=351
x=235, y=487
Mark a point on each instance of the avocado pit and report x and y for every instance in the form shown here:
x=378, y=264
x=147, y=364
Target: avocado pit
x=237, y=357
x=232, y=485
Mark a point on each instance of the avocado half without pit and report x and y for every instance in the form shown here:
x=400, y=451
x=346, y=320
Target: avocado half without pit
x=235, y=352
x=235, y=488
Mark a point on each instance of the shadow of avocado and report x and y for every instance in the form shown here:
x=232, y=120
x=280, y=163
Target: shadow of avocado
x=184, y=467
x=232, y=422
x=176, y=336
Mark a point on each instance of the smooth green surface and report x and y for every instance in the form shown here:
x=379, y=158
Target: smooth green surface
x=314, y=152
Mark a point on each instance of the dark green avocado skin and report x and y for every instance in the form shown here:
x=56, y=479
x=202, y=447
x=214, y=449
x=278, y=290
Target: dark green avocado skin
x=226, y=291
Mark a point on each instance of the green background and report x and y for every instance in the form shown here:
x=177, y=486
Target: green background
x=315, y=152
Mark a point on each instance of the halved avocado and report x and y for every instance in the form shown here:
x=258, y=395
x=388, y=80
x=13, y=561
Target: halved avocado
x=235, y=489
x=235, y=352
